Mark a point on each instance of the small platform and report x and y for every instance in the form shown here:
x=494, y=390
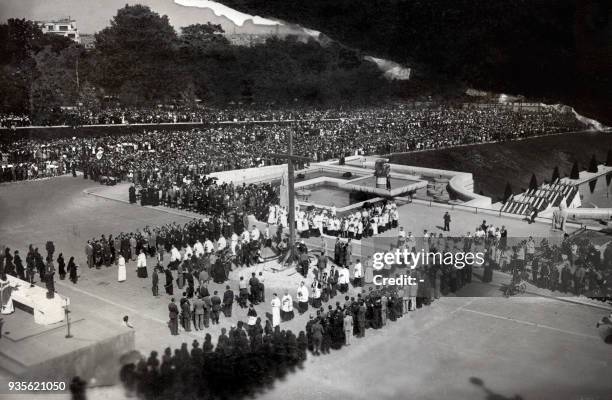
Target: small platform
x=39, y=351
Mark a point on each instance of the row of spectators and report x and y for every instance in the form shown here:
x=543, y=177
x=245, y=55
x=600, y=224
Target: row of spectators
x=170, y=115
x=173, y=114
x=14, y=120
x=575, y=267
x=178, y=155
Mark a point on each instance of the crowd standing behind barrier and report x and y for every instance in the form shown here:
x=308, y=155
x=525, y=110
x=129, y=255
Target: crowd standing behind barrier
x=153, y=154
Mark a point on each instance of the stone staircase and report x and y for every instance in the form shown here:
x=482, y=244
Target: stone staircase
x=546, y=196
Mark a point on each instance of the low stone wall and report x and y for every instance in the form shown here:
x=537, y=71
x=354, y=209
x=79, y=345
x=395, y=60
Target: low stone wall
x=97, y=364
x=589, y=213
x=460, y=184
x=251, y=175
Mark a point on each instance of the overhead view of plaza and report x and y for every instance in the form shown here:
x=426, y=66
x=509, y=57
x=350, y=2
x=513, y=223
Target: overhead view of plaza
x=197, y=207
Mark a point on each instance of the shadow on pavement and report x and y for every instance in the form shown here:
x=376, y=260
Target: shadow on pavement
x=491, y=395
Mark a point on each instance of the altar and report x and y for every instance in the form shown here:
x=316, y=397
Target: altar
x=46, y=311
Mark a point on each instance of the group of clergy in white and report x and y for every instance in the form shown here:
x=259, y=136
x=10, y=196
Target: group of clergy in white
x=199, y=249
x=278, y=215
x=282, y=309
x=319, y=221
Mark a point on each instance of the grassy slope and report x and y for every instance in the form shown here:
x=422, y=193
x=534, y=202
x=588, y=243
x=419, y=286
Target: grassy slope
x=495, y=164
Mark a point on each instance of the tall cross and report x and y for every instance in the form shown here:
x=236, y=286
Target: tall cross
x=291, y=158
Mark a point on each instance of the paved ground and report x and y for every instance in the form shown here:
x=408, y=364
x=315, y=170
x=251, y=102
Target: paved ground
x=414, y=217
x=35, y=212
x=535, y=347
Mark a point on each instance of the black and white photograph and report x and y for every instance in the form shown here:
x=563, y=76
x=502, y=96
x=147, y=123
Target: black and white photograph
x=306, y=199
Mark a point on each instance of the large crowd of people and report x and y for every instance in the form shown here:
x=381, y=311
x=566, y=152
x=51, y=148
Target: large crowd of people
x=258, y=351
x=571, y=266
x=173, y=169
x=190, y=256
x=14, y=120
x=575, y=267
x=169, y=114
x=215, y=147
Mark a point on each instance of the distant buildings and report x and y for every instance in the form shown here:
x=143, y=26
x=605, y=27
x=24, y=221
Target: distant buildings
x=88, y=41
x=248, y=39
x=253, y=39
x=65, y=27
x=251, y=34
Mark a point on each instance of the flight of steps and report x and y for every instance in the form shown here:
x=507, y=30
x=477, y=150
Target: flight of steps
x=548, y=195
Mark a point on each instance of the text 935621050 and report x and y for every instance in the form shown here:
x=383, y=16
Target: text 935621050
x=36, y=386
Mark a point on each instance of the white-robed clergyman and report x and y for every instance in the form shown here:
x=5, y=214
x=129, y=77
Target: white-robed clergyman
x=287, y=307
x=121, y=269
x=276, y=305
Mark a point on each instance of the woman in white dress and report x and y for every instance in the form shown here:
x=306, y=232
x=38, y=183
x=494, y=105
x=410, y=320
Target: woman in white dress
x=121, y=269
x=276, y=305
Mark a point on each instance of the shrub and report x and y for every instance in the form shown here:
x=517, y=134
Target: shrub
x=593, y=164
x=555, y=175
x=507, y=192
x=575, y=174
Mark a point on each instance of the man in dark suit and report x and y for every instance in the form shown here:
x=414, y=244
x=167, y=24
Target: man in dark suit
x=204, y=291
x=154, y=282
x=198, y=310
x=254, y=284
x=228, y=301
x=132, y=194
x=337, y=249
x=361, y=319
x=321, y=264
x=207, y=309
x=173, y=314
x=447, y=220
x=215, y=300
x=186, y=313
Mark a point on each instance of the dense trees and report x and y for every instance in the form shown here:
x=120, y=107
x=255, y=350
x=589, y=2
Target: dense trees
x=141, y=60
x=135, y=56
x=20, y=42
x=554, y=49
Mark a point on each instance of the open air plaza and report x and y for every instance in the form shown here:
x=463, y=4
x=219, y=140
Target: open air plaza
x=308, y=201
x=475, y=332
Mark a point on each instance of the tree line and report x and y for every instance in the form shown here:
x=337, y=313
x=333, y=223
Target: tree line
x=140, y=60
x=552, y=50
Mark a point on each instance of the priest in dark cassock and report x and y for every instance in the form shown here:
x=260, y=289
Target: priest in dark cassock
x=169, y=286
x=217, y=270
x=50, y=279
x=132, y=194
